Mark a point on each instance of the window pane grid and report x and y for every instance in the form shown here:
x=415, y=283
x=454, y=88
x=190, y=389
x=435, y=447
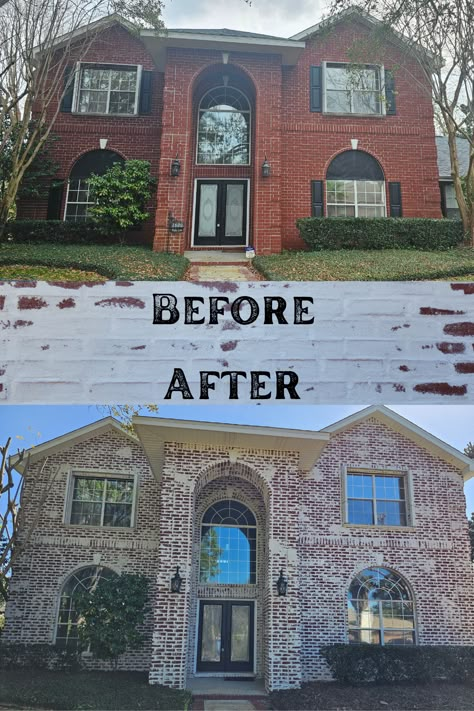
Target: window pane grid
x=78, y=200
x=355, y=198
x=380, y=609
x=353, y=90
x=102, y=502
x=107, y=91
x=376, y=499
x=224, y=128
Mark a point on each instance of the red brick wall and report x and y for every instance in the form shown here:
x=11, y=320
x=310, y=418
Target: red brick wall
x=404, y=144
x=133, y=137
x=299, y=144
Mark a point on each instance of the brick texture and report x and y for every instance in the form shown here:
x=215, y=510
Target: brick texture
x=300, y=528
x=299, y=144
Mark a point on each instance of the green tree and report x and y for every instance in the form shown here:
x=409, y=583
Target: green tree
x=125, y=413
x=471, y=535
x=469, y=450
x=110, y=615
x=121, y=194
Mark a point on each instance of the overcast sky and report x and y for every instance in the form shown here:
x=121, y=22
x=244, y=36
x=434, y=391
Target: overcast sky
x=282, y=18
x=33, y=424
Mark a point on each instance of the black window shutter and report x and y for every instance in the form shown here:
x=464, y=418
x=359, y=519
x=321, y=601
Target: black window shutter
x=390, y=106
x=66, y=103
x=55, y=200
x=395, y=195
x=315, y=89
x=145, y=93
x=317, y=206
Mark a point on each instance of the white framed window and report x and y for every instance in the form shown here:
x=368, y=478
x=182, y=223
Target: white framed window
x=78, y=200
x=101, y=499
x=353, y=89
x=78, y=196
x=380, y=609
x=377, y=498
x=223, y=127
x=84, y=579
x=107, y=89
x=356, y=198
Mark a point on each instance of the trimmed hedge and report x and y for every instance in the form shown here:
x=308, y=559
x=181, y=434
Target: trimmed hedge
x=355, y=664
x=57, y=231
x=379, y=233
x=38, y=656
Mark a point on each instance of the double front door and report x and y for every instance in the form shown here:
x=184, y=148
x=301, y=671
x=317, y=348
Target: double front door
x=221, y=213
x=225, y=636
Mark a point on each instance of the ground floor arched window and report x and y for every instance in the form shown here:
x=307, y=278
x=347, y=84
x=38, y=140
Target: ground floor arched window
x=86, y=579
x=380, y=609
x=355, y=186
x=78, y=199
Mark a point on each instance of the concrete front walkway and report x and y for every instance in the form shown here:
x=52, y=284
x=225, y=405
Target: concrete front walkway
x=221, y=272
x=218, y=686
x=216, y=256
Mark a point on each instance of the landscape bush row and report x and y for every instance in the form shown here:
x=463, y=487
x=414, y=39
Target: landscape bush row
x=379, y=233
x=361, y=663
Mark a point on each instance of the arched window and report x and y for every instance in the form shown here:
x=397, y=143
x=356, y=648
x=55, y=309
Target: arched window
x=355, y=186
x=78, y=198
x=85, y=579
x=380, y=609
x=228, y=544
x=224, y=127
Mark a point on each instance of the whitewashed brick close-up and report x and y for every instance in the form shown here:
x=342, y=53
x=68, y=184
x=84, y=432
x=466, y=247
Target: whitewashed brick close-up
x=377, y=342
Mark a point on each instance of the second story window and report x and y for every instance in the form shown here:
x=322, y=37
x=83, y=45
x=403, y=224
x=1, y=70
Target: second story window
x=224, y=127
x=102, y=501
x=376, y=499
x=352, y=89
x=107, y=90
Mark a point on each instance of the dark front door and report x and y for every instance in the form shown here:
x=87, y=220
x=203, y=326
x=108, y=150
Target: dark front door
x=225, y=636
x=221, y=213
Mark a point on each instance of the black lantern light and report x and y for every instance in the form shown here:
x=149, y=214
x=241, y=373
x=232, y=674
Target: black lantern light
x=282, y=584
x=266, y=170
x=175, y=167
x=176, y=581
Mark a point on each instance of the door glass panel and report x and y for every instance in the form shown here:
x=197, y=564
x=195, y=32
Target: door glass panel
x=239, y=651
x=208, y=211
x=234, y=210
x=211, y=633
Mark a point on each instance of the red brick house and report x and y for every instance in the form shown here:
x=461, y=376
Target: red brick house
x=364, y=520
x=246, y=132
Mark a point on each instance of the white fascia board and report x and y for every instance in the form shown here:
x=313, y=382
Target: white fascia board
x=414, y=432
x=225, y=39
x=69, y=439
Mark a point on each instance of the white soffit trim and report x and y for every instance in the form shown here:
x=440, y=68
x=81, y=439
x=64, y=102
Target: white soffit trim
x=416, y=434
x=72, y=438
x=153, y=432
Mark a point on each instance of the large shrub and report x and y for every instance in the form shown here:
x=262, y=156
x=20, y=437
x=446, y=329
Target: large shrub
x=354, y=663
x=121, y=194
x=379, y=233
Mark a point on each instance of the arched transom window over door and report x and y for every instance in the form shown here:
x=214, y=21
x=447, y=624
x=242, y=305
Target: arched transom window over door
x=228, y=544
x=224, y=127
x=83, y=579
x=78, y=198
x=380, y=609
x=355, y=186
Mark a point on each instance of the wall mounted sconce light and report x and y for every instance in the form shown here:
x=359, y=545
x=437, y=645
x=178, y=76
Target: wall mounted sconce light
x=176, y=581
x=175, y=167
x=282, y=584
x=266, y=169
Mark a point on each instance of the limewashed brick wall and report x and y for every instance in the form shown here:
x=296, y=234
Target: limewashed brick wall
x=56, y=549
x=298, y=144
x=300, y=529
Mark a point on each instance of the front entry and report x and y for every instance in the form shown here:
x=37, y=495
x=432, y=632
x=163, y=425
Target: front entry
x=225, y=636
x=221, y=213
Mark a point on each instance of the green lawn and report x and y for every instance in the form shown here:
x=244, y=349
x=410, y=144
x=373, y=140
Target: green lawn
x=368, y=265
x=88, y=262
x=331, y=696
x=32, y=688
